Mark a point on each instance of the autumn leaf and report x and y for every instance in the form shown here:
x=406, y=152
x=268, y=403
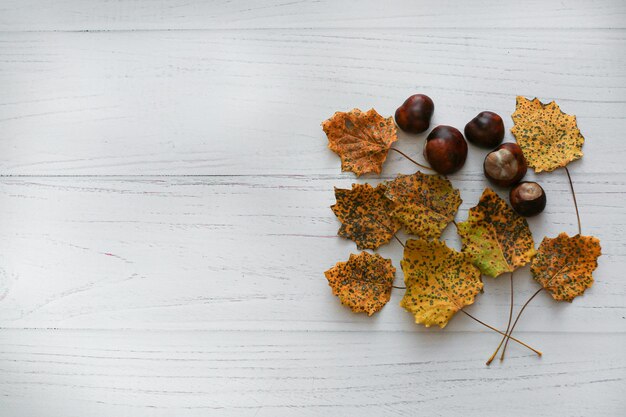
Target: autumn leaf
x=564, y=265
x=361, y=140
x=548, y=137
x=363, y=283
x=365, y=215
x=425, y=204
x=496, y=238
x=439, y=281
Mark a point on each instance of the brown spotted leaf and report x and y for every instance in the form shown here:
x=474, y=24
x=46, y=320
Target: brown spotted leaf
x=425, y=204
x=548, y=137
x=439, y=281
x=497, y=239
x=361, y=140
x=564, y=265
x=365, y=215
x=363, y=283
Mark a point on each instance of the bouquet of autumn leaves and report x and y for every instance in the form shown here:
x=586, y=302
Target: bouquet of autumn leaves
x=439, y=280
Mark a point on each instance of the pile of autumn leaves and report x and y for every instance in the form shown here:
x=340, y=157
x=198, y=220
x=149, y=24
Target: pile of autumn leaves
x=441, y=281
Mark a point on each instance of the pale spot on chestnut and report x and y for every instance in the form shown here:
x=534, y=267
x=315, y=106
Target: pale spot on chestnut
x=501, y=164
x=530, y=190
x=505, y=165
x=528, y=198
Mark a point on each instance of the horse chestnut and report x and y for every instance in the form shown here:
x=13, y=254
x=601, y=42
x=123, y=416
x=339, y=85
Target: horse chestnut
x=414, y=114
x=505, y=165
x=445, y=149
x=528, y=198
x=486, y=130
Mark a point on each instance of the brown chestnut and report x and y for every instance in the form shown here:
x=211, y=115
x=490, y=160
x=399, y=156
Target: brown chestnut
x=528, y=198
x=445, y=149
x=414, y=114
x=505, y=165
x=486, y=130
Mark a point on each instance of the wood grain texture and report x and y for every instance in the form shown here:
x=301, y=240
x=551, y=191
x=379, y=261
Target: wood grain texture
x=60, y=373
x=198, y=14
x=247, y=253
x=228, y=102
x=164, y=207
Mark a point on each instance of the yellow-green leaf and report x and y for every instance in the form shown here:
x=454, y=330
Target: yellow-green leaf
x=497, y=239
x=439, y=281
x=424, y=204
x=564, y=265
x=365, y=214
x=548, y=137
x=363, y=283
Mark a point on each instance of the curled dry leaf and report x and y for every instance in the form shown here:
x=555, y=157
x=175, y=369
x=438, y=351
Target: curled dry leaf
x=564, y=265
x=497, y=239
x=439, y=281
x=549, y=138
x=424, y=204
x=363, y=283
x=361, y=140
x=365, y=215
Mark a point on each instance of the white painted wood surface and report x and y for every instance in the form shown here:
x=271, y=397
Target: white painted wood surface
x=164, y=220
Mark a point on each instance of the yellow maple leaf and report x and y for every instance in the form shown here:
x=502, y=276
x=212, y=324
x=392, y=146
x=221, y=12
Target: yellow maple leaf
x=362, y=140
x=363, y=283
x=425, y=204
x=549, y=138
x=439, y=281
x=497, y=238
x=364, y=212
x=564, y=265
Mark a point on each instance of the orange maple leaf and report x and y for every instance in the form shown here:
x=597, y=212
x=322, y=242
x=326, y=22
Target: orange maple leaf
x=361, y=140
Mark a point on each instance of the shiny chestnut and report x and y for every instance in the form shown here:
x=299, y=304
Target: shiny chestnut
x=445, y=149
x=528, y=198
x=413, y=116
x=485, y=130
x=505, y=165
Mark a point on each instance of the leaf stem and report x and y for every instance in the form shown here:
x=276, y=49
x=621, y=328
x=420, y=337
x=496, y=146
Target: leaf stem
x=389, y=229
x=508, y=326
x=571, y=186
x=411, y=159
x=516, y=319
x=398, y=239
x=498, y=331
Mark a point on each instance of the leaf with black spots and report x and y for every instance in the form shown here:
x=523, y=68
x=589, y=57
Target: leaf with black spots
x=497, y=238
x=365, y=214
x=424, y=204
x=363, y=283
x=564, y=265
x=439, y=281
x=549, y=138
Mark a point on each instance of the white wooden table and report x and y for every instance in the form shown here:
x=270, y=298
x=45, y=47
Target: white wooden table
x=165, y=193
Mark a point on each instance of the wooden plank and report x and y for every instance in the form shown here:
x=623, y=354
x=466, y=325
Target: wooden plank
x=248, y=253
x=18, y=15
x=251, y=102
x=171, y=263
x=102, y=373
